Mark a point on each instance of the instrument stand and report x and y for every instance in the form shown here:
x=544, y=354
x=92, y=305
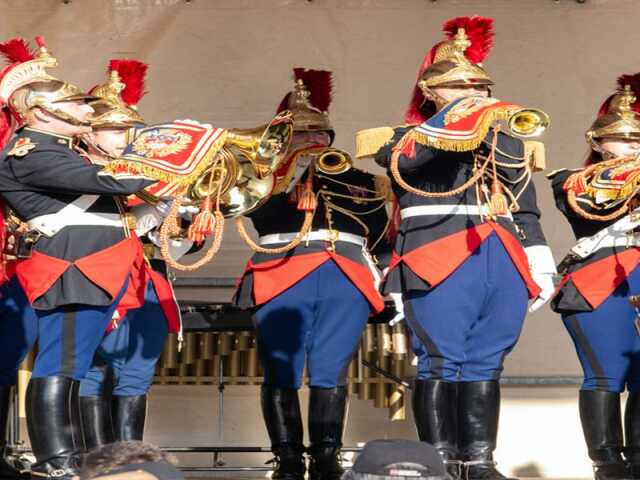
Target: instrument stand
x=218, y=461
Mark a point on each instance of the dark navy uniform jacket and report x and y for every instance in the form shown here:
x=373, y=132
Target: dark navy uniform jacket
x=587, y=282
x=429, y=248
x=350, y=202
x=46, y=179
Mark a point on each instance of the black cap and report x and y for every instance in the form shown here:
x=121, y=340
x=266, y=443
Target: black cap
x=400, y=458
x=157, y=470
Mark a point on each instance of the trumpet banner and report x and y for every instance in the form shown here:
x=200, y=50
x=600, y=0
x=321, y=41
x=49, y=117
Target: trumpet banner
x=463, y=124
x=175, y=154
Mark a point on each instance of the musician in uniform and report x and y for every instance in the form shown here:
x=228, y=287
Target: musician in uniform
x=600, y=279
x=469, y=232
x=312, y=282
x=72, y=249
x=113, y=394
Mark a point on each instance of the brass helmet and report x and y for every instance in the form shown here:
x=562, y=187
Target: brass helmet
x=25, y=84
x=452, y=68
x=454, y=62
x=309, y=101
x=118, y=96
x=619, y=116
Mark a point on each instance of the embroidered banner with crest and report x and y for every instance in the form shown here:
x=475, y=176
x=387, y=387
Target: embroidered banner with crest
x=463, y=124
x=174, y=153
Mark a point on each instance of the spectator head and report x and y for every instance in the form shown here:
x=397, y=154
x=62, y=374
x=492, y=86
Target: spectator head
x=397, y=460
x=119, y=458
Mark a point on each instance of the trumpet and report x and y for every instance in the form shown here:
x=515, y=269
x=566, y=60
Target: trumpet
x=243, y=176
x=528, y=122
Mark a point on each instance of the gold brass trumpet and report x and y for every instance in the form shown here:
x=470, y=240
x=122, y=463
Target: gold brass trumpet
x=333, y=161
x=243, y=174
x=528, y=122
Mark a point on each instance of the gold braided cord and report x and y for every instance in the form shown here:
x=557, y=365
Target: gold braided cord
x=306, y=228
x=170, y=227
x=384, y=232
x=348, y=213
x=573, y=203
x=345, y=184
x=581, y=177
x=395, y=171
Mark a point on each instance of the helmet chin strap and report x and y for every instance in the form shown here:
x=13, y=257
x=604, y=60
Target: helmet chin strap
x=98, y=148
x=437, y=99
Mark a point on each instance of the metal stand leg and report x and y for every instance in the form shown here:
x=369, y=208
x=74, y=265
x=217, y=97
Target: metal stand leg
x=218, y=461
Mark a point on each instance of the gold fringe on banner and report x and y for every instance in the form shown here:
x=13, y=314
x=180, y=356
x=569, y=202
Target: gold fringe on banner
x=450, y=145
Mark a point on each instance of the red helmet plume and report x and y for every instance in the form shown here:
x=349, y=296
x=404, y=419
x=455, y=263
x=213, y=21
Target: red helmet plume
x=633, y=80
x=480, y=32
x=132, y=73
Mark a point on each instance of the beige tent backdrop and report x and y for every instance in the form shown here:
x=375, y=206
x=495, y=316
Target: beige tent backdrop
x=228, y=62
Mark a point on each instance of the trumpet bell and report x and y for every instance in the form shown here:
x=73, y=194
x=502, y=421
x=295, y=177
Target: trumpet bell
x=528, y=122
x=222, y=176
x=265, y=147
x=333, y=162
x=248, y=194
x=242, y=176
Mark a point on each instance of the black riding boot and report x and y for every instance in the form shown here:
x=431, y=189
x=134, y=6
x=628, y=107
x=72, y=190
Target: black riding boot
x=49, y=404
x=632, y=434
x=129, y=415
x=602, y=426
x=7, y=470
x=95, y=416
x=282, y=417
x=327, y=407
x=478, y=414
x=435, y=410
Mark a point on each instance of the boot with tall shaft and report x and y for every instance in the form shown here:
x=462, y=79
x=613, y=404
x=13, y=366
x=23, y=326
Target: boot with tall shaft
x=282, y=417
x=327, y=410
x=435, y=411
x=478, y=415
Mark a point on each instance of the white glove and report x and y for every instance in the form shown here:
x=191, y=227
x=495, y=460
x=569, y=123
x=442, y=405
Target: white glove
x=543, y=270
x=147, y=216
x=177, y=248
x=396, y=298
x=189, y=210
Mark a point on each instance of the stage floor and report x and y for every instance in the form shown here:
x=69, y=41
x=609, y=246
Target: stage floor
x=227, y=476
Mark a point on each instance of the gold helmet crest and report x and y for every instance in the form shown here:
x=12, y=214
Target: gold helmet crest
x=118, y=96
x=619, y=117
x=309, y=101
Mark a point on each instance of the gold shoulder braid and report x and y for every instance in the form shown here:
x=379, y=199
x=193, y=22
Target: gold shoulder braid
x=369, y=141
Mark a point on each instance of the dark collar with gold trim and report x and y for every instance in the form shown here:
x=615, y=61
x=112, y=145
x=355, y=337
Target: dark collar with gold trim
x=41, y=137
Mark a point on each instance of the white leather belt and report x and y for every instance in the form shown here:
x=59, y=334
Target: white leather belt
x=618, y=234
x=74, y=214
x=317, y=235
x=424, y=210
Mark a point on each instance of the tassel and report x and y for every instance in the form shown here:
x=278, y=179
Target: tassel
x=203, y=223
x=307, y=201
x=498, y=203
